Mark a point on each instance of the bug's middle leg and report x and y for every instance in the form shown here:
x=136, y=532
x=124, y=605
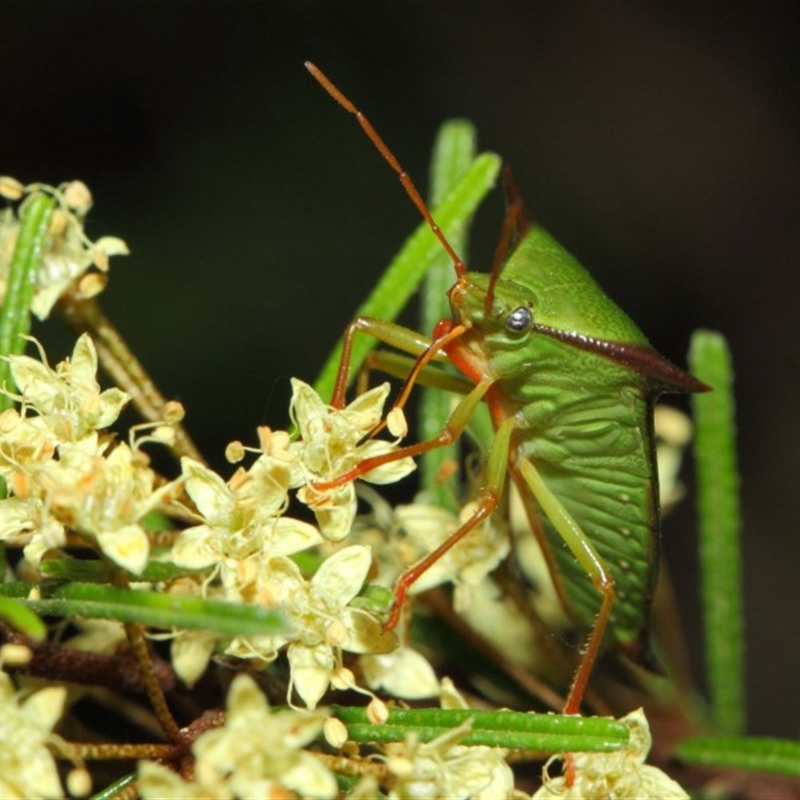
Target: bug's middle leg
x=489, y=494
x=488, y=498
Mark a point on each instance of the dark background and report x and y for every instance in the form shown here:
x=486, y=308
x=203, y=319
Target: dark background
x=658, y=141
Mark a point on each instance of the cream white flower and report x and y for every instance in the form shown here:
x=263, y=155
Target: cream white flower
x=27, y=767
x=58, y=406
x=242, y=517
x=67, y=399
x=258, y=753
x=55, y=460
x=319, y=611
x=422, y=528
x=403, y=673
x=104, y=498
x=329, y=624
x=68, y=253
x=445, y=768
x=407, y=533
x=275, y=583
x=24, y=443
x=442, y=768
x=100, y=497
x=333, y=442
x=622, y=775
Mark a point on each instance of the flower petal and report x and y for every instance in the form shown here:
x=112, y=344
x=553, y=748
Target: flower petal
x=209, y=492
x=194, y=548
x=311, y=670
x=127, y=546
x=191, y=651
x=341, y=576
x=403, y=673
x=292, y=535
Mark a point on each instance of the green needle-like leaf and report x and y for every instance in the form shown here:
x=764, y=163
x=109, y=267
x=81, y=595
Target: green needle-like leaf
x=15, y=310
x=22, y=619
x=720, y=552
x=540, y=732
x=115, y=789
x=155, y=609
x=453, y=152
x=759, y=753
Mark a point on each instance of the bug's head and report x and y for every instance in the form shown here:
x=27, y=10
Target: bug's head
x=506, y=321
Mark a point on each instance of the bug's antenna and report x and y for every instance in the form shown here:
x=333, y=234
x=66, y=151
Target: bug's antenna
x=383, y=149
x=515, y=225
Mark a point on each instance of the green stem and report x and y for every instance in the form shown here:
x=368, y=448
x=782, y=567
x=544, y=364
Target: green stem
x=453, y=152
x=719, y=523
x=15, y=318
x=510, y=729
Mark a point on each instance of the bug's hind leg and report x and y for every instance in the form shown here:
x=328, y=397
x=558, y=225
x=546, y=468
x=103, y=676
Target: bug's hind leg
x=583, y=550
x=585, y=553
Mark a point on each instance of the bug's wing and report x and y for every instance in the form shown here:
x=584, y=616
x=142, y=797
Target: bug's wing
x=595, y=456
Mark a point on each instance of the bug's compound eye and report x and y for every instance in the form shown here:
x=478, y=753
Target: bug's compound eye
x=519, y=320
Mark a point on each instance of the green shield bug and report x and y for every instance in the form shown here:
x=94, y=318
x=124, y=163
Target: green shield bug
x=570, y=382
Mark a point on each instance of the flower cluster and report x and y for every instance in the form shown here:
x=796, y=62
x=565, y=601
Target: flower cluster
x=71, y=481
x=27, y=741
x=65, y=473
x=416, y=529
x=443, y=767
x=247, y=541
x=257, y=753
x=621, y=774
x=332, y=446
x=70, y=258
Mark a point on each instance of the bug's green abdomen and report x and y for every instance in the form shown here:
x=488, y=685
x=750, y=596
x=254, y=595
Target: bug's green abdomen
x=580, y=378
x=585, y=424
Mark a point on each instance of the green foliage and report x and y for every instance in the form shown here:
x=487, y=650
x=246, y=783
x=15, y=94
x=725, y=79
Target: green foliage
x=154, y=609
x=15, y=312
x=719, y=530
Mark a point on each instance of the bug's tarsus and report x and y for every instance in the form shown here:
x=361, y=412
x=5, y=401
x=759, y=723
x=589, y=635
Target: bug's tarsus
x=590, y=653
x=383, y=149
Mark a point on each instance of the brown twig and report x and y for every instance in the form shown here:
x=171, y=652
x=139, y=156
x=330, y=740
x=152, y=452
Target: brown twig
x=152, y=687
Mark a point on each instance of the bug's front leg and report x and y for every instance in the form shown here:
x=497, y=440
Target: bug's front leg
x=397, y=336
